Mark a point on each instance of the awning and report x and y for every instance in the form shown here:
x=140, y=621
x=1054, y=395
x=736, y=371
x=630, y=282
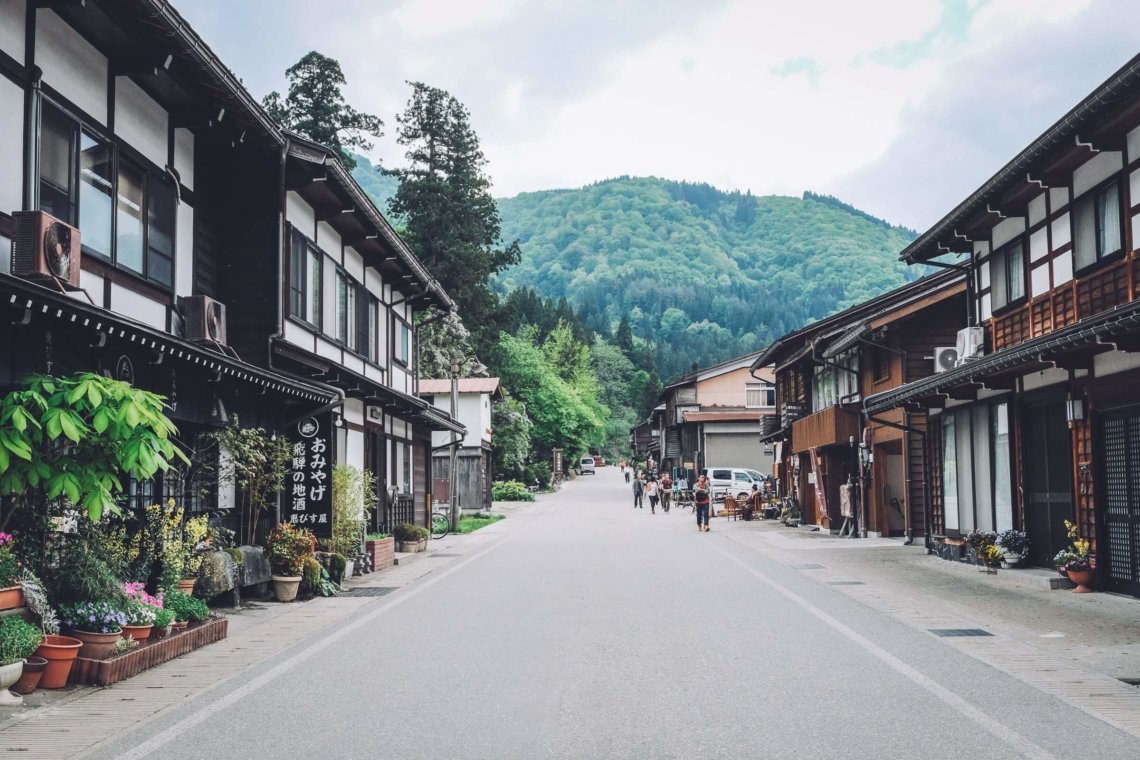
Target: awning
x=1096, y=334
x=69, y=311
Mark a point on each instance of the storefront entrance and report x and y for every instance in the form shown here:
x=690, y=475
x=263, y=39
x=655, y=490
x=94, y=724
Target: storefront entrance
x=1120, y=447
x=1048, y=479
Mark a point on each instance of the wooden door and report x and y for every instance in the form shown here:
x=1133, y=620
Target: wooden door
x=1120, y=457
x=1048, y=479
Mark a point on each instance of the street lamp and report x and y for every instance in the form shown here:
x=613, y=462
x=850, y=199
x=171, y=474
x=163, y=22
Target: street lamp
x=476, y=368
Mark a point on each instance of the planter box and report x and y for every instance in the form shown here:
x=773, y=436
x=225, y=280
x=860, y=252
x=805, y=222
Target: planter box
x=383, y=552
x=153, y=652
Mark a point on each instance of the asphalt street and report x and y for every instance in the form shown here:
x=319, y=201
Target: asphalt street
x=583, y=628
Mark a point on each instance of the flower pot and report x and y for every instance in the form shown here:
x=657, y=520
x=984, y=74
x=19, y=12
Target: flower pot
x=421, y=546
x=34, y=668
x=349, y=567
x=178, y=626
x=11, y=597
x=60, y=653
x=1082, y=578
x=97, y=646
x=406, y=547
x=9, y=674
x=1011, y=559
x=285, y=587
x=137, y=632
x=186, y=585
x=161, y=633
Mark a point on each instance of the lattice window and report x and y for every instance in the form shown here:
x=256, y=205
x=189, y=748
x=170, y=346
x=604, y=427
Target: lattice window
x=1118, y=483
x=1011, y=329
x=1102, y=291
x=1041, y=317
x=1064, y=308
x=934, y=436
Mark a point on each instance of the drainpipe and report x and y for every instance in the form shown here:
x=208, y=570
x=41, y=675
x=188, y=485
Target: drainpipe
x=32, y=102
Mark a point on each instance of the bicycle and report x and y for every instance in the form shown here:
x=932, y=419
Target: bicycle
x=441, y=523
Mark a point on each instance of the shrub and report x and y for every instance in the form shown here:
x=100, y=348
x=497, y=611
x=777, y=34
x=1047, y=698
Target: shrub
x=311, y=575
x=376, y=536
x=18, y=640
x=406, y=532
x=9, y=563
x=186, y=607
x=354, y=494
x=288, y=548
x=163, y=617
x=337, y=565
x=510, y=490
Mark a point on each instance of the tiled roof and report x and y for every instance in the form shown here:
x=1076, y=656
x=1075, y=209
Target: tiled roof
x=466, y=385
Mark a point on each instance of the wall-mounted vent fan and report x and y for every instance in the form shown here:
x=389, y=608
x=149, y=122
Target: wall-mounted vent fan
x=43, y=247
x=205, y=319
x=945, y=358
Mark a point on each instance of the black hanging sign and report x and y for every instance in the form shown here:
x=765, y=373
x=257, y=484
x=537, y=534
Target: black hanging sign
x=307, y=498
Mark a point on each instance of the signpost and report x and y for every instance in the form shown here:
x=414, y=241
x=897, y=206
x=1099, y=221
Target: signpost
x=308, y=488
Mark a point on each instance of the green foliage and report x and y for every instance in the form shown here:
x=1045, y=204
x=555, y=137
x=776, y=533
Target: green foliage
x=336, y=567
x=376, y=536
x=408, y=533
x=185, y=607
x=288, y=549
x=354, y=494
x=163, y=617
x=740, y=270
x=311, y=575
x=18, y=639
x=255, y=462
x=472, y=524
x=451, y=220
x=71, y=437
x=510, y=490
x=314, y=107
x=81, y=573
x=510, y=445
x=36, y=599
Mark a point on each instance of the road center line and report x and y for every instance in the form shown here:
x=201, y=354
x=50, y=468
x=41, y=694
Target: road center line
x=171, y=733
x=997, y=729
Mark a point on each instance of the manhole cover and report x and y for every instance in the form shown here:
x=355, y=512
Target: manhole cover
x=808, y=566
x=959, y=632
x=846, y=583
x=370, y=591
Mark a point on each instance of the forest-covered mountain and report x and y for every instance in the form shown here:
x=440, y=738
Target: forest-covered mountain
x=702, y=274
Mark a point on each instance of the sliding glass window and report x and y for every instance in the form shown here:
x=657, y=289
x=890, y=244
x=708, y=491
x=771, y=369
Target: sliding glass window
x=976, y=468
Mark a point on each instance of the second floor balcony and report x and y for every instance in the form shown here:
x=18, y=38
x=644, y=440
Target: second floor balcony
x=830, y=427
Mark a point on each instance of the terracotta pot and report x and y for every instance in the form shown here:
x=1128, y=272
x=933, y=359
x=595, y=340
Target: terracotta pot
x=285, y=587
x=186, y=585
x=1082, y=578
x=137, y=632
x=33, y=671
x=11, y=597
x=9, y=674
x=161, y=633
x=97, y=646
x=179, y=625
x=60, y=653
x=407, y=547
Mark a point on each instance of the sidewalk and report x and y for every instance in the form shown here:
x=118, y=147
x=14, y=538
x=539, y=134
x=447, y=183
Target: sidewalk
x=1099, y=631
x=67, y=723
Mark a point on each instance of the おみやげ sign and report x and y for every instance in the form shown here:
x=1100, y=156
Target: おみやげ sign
x=307, y=497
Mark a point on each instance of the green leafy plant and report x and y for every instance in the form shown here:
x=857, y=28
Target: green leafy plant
x=10, y=565
x=96, y=617
x=139, y=613
x=36, y=598
x=288, y=548
x=354, y=494
x=185, y=607
x=376, y=536
x=18, y=639
x=408, y=533
x=81, y=574
x=510, y=490
x=71, y=437
x=163, y=617
x=255, y=462
x=124, y=645
x=475, y=522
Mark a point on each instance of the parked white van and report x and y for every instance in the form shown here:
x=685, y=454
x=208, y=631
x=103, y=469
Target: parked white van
x=587, y=465
x=735, y=480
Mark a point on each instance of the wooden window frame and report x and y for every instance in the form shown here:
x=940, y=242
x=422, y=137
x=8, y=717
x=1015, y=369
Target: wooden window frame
x=1100, y=259
x=1000, y=257
x=308, y=251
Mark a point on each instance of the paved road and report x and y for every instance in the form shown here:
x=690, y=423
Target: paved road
x=588, y=629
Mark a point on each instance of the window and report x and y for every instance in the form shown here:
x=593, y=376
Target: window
x=371, y=335
x=403, y=343
x=976, y=468
x=836, y=382
x=1007, y=274
x=125, y=214
x=759, y=394
x=1096, y=225
x=342, y=320
x=304, y=279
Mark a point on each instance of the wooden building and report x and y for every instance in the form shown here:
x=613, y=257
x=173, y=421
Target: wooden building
x=825, y=370
x=1040, y=420
x=474, y=396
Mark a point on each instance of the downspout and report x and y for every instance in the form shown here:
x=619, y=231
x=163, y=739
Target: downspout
x=32, y=102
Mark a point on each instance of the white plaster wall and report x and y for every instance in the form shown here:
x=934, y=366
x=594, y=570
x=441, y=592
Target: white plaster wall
x=71, y=65
x=373, y=283
x=354, y=411
x=1037, y=209
x=299, y=214
x=399, y=378
x=93, y=284
x=354, y=264
x=184, y=251
x=1044, y=379
x=1134, y=145
x=328, y=240
x=1134, y=187
x=355, y=448
x=141, y=121
x=1007, y=230
x=1062, y=232
x=1058, y=198
x=184, y=156
x=11, y=146
x=485, y=417
x=328, y=350
x=12, y=21
x=1039, y=244
x=1096, y=170
x=1114, y=361
x=298, y=336
x=373, y=373
x=353, y=363
x=138, y=307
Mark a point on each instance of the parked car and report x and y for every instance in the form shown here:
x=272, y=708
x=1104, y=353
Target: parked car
x=737, y=480
x=587, y=466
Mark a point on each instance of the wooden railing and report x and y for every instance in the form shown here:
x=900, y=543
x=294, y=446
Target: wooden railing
x=833, y=425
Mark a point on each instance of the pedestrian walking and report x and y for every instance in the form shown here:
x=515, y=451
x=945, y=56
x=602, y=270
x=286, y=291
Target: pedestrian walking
x=638, y=490
x=666, y=491
x=701, y=494
x=653, y=492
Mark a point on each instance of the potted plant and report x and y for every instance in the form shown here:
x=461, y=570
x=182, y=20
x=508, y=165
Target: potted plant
x=407, y=538
x=288, y=547
x=18, y=641
x=140, y=619
x=57, y=652
x=380, y=547
x=11, y=592
x=354, y=494
x=185, y=609
x=1062, y=558
x=422, y=536
x=1080, y=567
x=163, y=619
x=979, y=542
x=97, y=624
x=1014, y=545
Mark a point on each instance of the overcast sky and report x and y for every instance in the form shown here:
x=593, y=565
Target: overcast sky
x=900, y=107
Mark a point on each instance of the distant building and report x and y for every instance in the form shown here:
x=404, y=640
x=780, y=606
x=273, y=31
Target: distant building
x=475, y=395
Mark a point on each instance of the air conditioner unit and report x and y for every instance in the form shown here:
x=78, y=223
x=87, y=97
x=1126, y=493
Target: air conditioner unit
x=945, y=358
x=971, y=344
x=45, y=248
x=205, y=319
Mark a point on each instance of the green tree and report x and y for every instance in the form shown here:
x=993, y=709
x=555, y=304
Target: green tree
x=510, y=441
x=441, y=342
x=314, y=107
x=452, y=222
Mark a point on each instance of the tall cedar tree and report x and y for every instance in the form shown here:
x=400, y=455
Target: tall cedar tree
x=452, y=220
x=316, y=109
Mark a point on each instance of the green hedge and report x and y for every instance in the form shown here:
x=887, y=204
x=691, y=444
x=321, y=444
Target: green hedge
x=510, y=490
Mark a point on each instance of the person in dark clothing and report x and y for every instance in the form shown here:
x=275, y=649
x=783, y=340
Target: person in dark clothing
x=638, y=490
x=702, y=492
